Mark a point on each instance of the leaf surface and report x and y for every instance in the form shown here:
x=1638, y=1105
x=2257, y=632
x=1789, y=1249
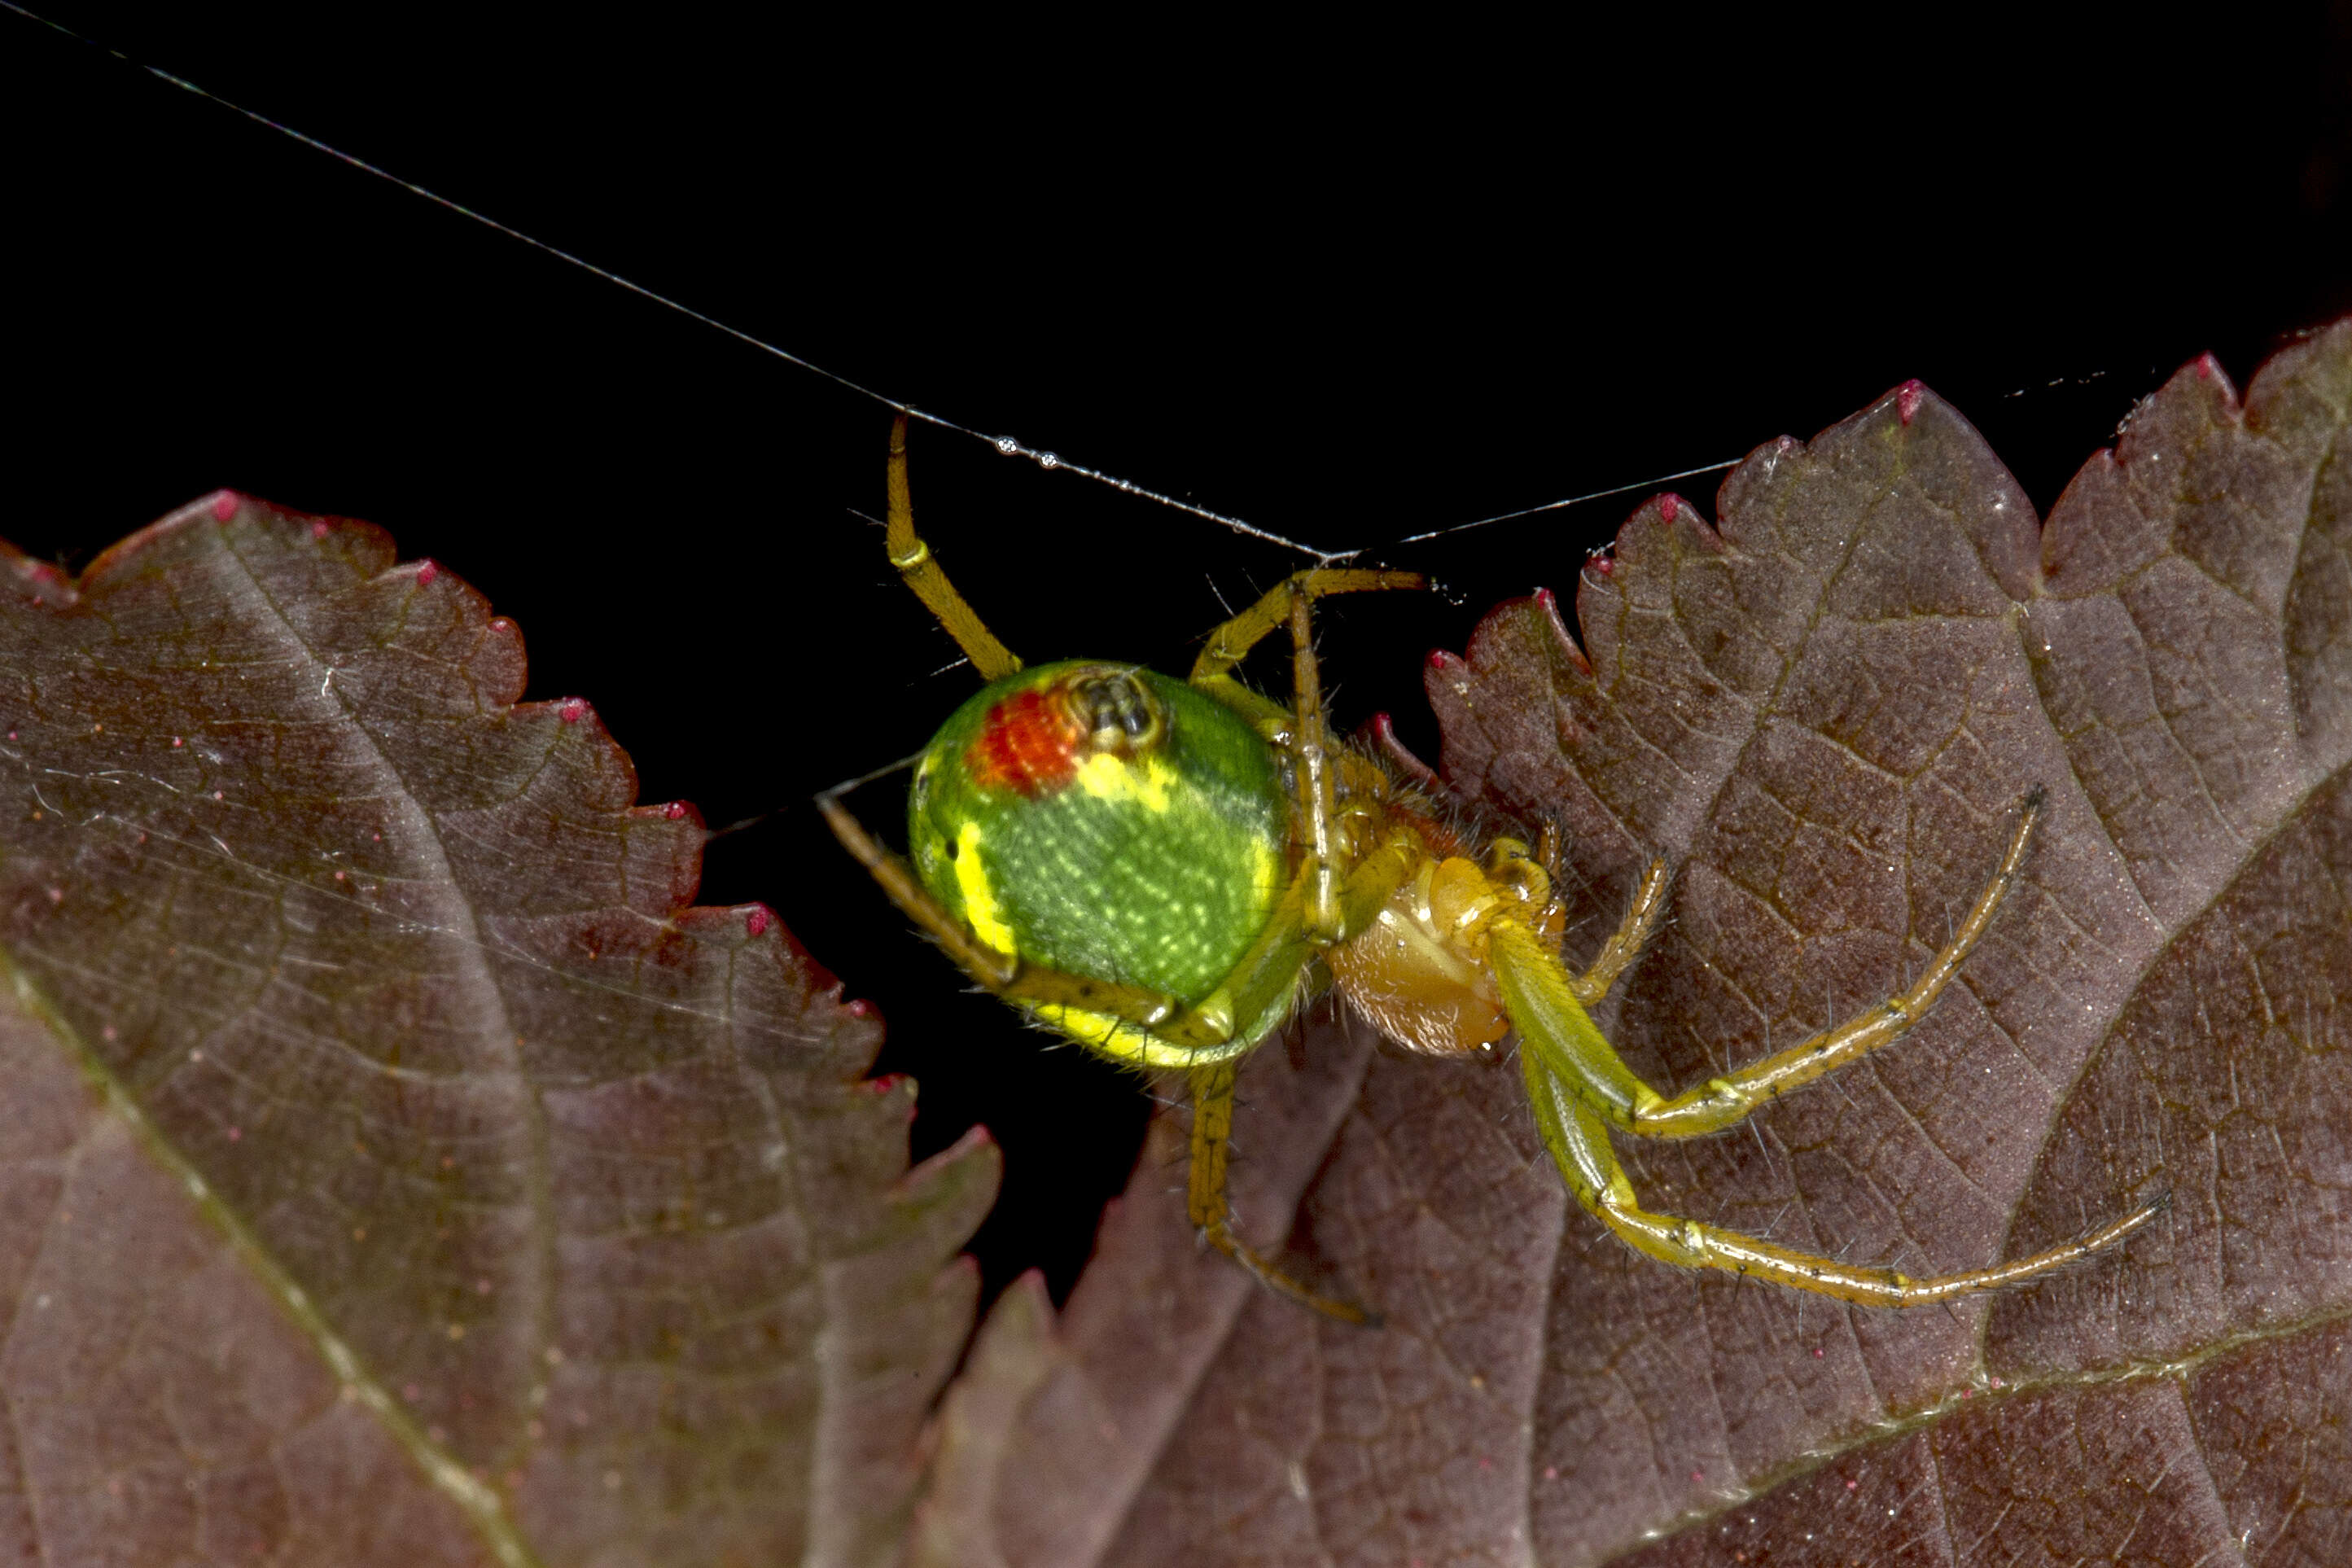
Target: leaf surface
x=398, y=1171
x=1825, y=710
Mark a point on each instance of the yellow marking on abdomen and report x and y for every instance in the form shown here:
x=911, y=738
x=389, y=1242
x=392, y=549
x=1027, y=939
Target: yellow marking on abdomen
x=981, y=910
x=1126, y=1042
x=1266, y=876
x=1106, y=776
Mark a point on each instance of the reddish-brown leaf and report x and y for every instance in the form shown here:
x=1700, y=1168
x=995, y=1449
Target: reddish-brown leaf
x=1825, y=710
x=398, y=1171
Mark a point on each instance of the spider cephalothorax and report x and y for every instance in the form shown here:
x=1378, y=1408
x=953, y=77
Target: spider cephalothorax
x=1150, y=867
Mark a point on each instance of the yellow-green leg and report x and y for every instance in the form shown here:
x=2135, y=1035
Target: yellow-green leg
x=1625, y=943
x=1719, y=1102
x=1578, y=1138
x=1230, y=643
x=1329, y=902
x=1557, y=1027
x=928, y=579
x=1580, y=1087
x=1213, y=1131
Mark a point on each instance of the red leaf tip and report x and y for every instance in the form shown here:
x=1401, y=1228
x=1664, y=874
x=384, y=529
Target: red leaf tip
x=573, y=709
x=756, y=922
x=674, y=810
x=1907, y=399
x=1669, y=505
x=426, y=572
x=224, y=505
x=1551, y=604
x=2208, y=367
x=318, y=529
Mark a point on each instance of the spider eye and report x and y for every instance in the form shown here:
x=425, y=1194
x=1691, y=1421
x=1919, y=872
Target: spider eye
x=1115, y=711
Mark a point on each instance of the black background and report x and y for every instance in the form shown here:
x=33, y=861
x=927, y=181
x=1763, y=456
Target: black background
x=1351, y=286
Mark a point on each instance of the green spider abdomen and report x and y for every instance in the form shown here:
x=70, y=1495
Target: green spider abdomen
x=1108, y=822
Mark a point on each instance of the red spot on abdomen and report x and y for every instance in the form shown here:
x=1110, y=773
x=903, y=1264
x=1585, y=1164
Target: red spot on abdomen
x=1026, y=743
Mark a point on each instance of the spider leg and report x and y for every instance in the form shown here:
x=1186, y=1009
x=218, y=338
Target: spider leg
x=1298, y=730
x=1366, y=889
x=1325, y=902
x=1319, y=868
x=1719, y=1102
x=1575, y=1131
x=1547, y=1006
x=1580, y=1087
x=1230, y=643
x=1632, y=934
x=1557, y=1032
x=1212, y=1131
x=928, y=579
x=984, y=964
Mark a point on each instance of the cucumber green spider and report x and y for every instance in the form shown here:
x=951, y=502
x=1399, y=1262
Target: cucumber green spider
x=1151, y=866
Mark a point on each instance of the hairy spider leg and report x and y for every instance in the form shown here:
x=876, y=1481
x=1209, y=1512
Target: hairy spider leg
x=1204, y=1196
x=1580, y=1087
x=1719, y=1102
x=1316, y=807
x=1366, y=888
x=1555, y=1026
x=928, y=579
x=1231, y=642
x=1330, y=904
x=1626, y=942
x=1578, y=1136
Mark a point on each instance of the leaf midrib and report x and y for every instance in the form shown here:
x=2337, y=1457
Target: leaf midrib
x=482, y=1506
